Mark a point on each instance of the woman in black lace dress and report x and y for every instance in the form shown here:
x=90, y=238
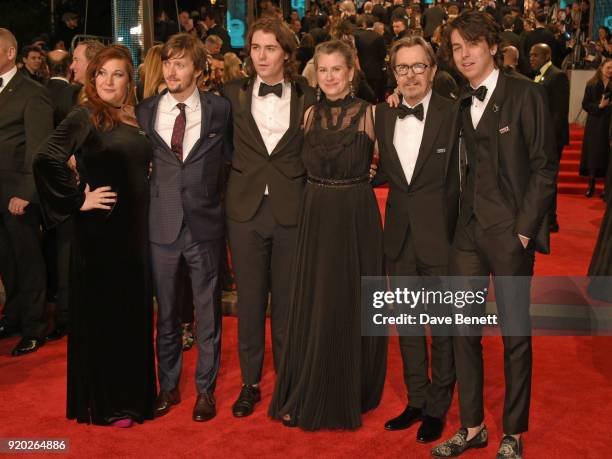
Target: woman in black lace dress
x=329, y=374
x=111, y=365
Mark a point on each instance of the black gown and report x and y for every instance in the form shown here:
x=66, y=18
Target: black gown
x=111, y=363
x=600, y=269
x=329, y=374
x=596, y=143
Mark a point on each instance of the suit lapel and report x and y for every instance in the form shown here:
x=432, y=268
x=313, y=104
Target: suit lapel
x=152, y=118
x=10, y=89
x=296, y=109
x=245, y=97
x=206, y=111
x=490, y=118
x=430, y=133
x=390, y=120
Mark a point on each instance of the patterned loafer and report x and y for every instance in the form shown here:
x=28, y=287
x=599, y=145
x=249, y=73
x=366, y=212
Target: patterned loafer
x=458, y=443
x=510, y=448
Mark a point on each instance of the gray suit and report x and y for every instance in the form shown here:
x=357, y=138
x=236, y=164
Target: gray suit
x=186, y=221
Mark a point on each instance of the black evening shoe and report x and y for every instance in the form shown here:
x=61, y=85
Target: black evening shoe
x=244, y=406
x=165, y=401
x=289, y=421
x=458, y=444
x=27, y=346
x=57, y=334
x=510, y=448
x=430, y=430
x=408, y=417
x=591, y=189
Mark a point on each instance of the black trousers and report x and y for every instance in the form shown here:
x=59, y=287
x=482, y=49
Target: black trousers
x=202, y=262
x=262, y=256
x=22, y=267
x=56, y=248
x=435, y=395
x=498, y=251
x=553, y=210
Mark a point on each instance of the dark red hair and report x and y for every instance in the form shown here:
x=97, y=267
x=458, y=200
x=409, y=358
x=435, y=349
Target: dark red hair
x=103, y=116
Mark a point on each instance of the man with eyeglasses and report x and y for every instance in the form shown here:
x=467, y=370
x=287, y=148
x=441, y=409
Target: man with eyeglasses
x=417, y=146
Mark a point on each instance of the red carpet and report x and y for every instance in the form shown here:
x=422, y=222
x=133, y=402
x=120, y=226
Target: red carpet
x=571, y=412
x=570, y=182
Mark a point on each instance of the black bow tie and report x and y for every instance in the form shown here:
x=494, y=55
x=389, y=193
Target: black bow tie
x=265, y=89
x=418, y=112
x=480, y=93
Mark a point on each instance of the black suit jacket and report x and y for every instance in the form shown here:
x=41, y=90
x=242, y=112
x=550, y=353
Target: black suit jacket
x=26, y=119
x=541, y=35
x=253, y=168
x=427, y=208
x=508, y=37
x=557, y=87
x=188, y=191
x=64, y=96
x=523, y=154
x=372, y=52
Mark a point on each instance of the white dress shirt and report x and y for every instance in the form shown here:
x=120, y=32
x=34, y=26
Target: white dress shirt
x=271, y=114
x=7, y=77
x=479, y=107
x=167, y=111
x=408, y=136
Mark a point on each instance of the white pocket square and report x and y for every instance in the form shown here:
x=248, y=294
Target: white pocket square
x=504, y=130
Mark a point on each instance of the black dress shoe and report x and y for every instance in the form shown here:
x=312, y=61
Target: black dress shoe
x=408, y=417
x=27, y=346
x=249, y=396
x=165, y=401
x=458, y=443
x=510, y=448
x=205, y=407
x=57, y=334
x=6, y=330
x=554, y=227
x=430, y=430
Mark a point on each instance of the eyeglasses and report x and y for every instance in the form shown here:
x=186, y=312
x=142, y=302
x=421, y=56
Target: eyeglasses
x=418, y=68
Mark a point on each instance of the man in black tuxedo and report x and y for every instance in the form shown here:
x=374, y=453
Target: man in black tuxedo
x=557, y=87
x=26, y=118
x=56, y=241
x=32, y=59
x=372, y=52
x=508, y=36
x=264, y=193
x=213, y=22
x=419, y=159
x=508, y=172
x=190, y=131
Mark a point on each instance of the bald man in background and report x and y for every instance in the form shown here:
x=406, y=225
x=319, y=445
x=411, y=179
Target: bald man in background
x=557, y=88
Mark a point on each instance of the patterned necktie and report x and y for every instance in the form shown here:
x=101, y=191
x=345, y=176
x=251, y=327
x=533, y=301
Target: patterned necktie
x=178, y=132
x=418, y=112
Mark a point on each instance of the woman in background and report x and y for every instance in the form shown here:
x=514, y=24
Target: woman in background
x=111, y=366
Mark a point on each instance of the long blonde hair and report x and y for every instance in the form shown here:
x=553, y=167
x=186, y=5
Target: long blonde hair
x=232, y=67
x=153, y=74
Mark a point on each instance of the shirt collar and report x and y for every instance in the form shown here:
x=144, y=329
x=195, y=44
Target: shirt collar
x=425, y=101
x=8, y=76
x=259, y=81
x=191, y=103
x=545, y=67
x=59, y=78
x=490, y=83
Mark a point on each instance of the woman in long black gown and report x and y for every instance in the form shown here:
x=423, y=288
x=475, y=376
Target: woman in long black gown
x=111, y=367
x=329, y=374
x=596, y=145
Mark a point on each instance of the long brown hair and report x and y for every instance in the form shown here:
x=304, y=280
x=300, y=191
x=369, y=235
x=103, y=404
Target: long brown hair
x=103, y=116
x=285, y=39
x=599, y=73
x=153, y=73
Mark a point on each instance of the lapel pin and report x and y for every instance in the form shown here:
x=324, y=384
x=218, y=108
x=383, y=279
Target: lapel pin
x=504, y=130
x=441, y=150
x=495, y=108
